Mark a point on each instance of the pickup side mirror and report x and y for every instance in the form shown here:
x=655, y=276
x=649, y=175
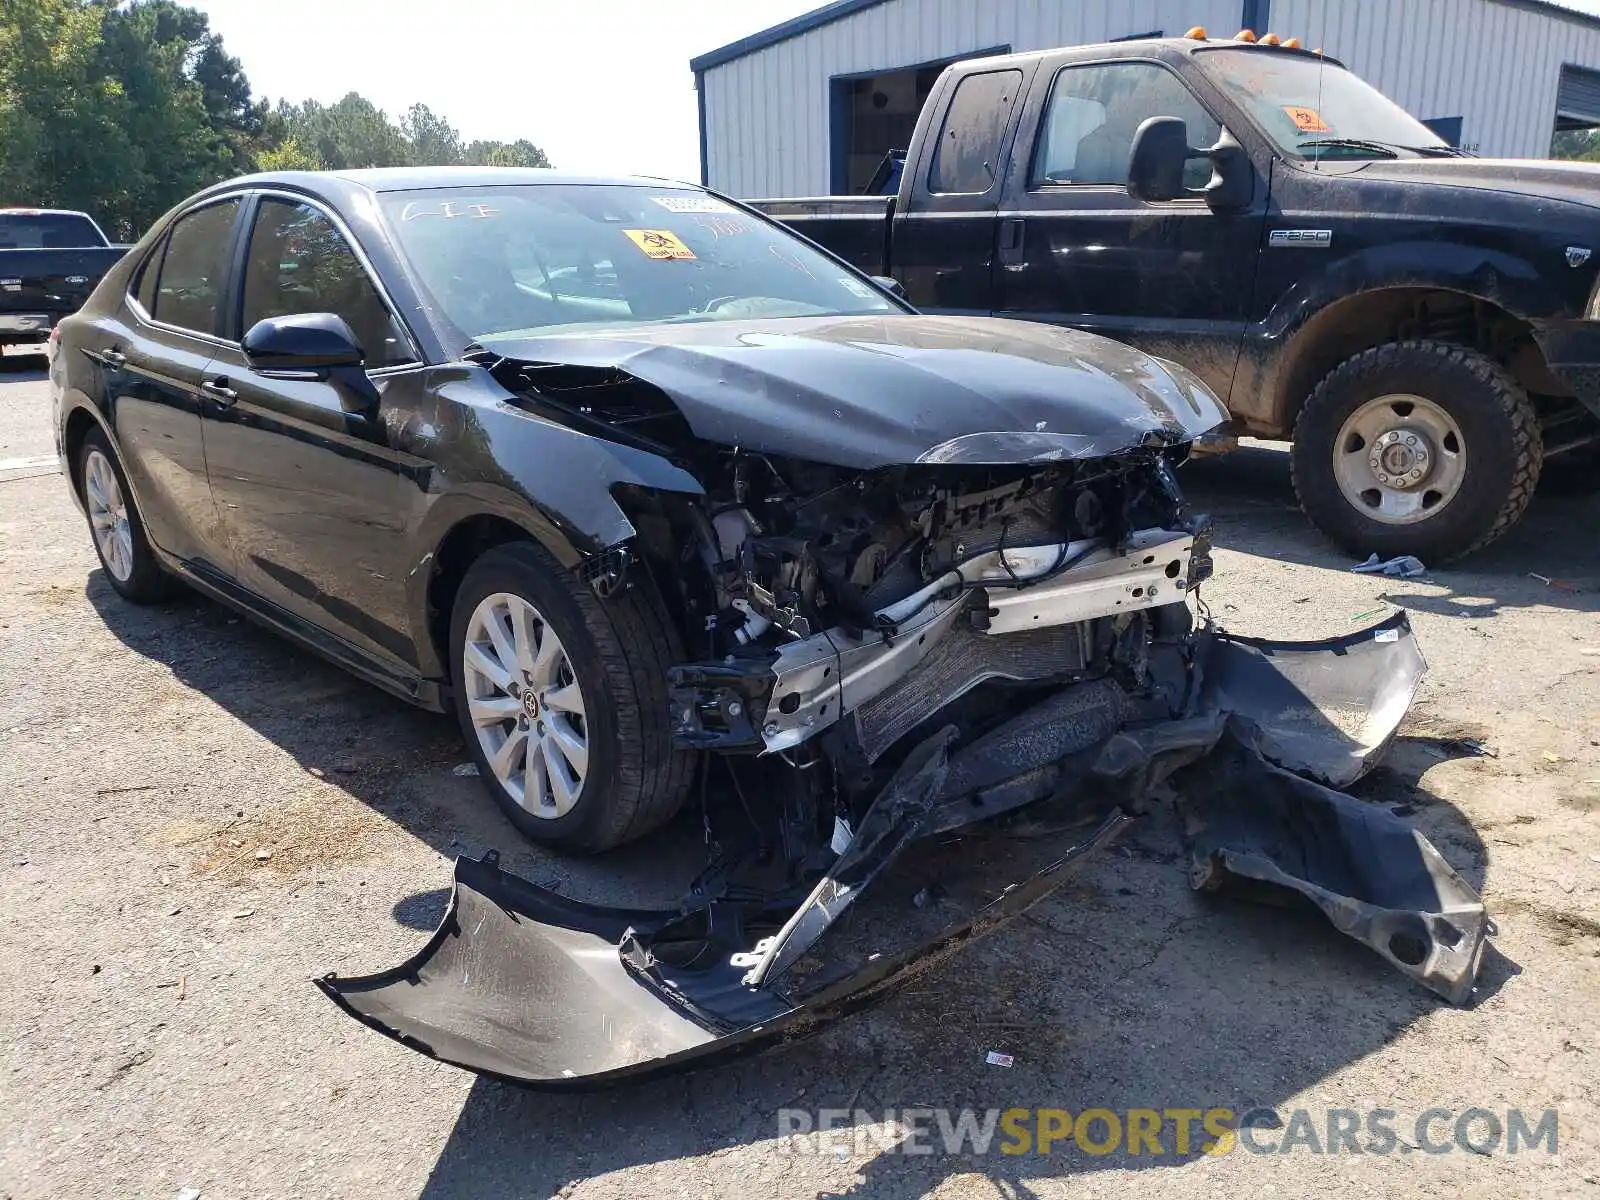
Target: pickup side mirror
x=890, y=284
x=312, y=346
x=1161, y=151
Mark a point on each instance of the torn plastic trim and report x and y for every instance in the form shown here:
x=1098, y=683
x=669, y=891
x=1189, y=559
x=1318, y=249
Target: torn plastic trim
x=474, y=996
x=1373, y=875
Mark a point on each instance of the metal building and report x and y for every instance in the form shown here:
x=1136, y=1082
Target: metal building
x=810, y=107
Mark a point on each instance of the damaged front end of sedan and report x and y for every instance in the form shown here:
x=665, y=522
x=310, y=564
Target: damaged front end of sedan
x=930, y=668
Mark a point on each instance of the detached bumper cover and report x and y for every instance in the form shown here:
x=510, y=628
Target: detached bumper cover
x=524, y=984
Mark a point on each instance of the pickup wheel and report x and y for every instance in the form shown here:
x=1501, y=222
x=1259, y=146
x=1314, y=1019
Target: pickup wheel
x=562, y=698
x=1417, y=448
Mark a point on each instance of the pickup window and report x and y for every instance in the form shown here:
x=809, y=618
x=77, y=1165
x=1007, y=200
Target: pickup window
x=47, y=231
x=968, y=157
x=1086, y=136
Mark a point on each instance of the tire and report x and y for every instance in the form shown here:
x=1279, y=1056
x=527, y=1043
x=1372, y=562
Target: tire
x=615, y=653
x=125, y=554
x=1495, y=462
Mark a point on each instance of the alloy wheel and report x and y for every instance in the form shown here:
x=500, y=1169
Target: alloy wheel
x=525, y=705
x=108, y=515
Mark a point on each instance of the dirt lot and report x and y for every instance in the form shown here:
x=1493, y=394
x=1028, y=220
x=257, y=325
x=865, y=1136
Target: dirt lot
x=199, y=819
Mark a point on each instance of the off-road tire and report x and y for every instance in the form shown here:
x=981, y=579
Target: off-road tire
x=148, y=582
x=1498, y=426
x=620, y=649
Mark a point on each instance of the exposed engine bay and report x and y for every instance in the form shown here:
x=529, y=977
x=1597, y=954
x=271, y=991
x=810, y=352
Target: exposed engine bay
x=957, y=677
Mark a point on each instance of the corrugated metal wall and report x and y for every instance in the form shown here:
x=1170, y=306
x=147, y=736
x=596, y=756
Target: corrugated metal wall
x=1495, y=65
x=767, y=113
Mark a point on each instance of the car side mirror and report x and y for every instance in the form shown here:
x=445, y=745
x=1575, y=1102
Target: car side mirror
x=312, y=346
x=890, y=284
x=1160, y=152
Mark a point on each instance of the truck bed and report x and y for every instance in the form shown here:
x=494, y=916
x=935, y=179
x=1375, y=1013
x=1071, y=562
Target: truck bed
x=856, y=228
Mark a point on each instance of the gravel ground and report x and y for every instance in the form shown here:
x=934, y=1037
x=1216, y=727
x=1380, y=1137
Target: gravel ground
x=199, y=819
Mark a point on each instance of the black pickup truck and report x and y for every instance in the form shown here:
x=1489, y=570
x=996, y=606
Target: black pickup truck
x=50, y=260
x=1424, y=324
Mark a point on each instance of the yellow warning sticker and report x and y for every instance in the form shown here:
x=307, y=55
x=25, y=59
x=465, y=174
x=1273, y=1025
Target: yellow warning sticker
x=659, y=243
x=1306, y=120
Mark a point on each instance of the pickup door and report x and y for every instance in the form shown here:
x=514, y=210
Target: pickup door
x=1073, y=248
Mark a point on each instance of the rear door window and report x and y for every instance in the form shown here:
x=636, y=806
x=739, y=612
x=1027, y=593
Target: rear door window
x=967, y=159
x=144, y=284
x=189, y=289
x=299, y=262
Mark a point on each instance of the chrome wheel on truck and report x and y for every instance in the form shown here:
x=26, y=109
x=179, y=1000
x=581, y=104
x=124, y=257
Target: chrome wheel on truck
x=1400, y=457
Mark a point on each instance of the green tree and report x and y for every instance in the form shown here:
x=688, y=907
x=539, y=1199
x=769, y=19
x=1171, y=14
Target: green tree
x=349, y=134
x=520, y=153
x=60, y=135
x=124, y=107
x=1581, y=145
x=434, y=141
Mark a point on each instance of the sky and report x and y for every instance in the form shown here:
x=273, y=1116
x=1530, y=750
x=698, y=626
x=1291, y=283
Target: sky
x=599, y=85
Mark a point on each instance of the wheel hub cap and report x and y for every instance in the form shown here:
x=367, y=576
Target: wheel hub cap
x=526, y=706
x=1399, y=459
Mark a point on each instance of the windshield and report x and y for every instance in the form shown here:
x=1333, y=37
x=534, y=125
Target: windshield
x=1314, y=109
x=530, y=258
x=47, y=231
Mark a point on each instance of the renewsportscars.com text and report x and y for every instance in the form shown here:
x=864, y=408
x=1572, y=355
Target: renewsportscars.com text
x=1168, y=1131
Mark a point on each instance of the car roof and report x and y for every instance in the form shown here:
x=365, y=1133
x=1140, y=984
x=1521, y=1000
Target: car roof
x=400, y=179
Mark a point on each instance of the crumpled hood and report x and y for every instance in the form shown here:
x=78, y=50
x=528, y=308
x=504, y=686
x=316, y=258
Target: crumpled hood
x=1541, y=179
x=866, y=392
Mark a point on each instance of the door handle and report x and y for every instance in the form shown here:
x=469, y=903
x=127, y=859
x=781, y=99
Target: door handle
x=1010, y=243
x=115, y=359
x=219, y=389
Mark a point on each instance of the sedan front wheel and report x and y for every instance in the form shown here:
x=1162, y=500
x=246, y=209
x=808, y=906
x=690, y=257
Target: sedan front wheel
x=562, y=699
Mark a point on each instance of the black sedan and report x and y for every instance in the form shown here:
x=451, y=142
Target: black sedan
x=659, y=498
x=483, y=437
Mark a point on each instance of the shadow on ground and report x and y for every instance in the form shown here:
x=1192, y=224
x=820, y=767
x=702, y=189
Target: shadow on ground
x=1124, y=990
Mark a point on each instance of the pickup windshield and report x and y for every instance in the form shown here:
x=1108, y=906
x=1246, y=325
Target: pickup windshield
x=47, y=231
x=536, y=258
x=1314, y=109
